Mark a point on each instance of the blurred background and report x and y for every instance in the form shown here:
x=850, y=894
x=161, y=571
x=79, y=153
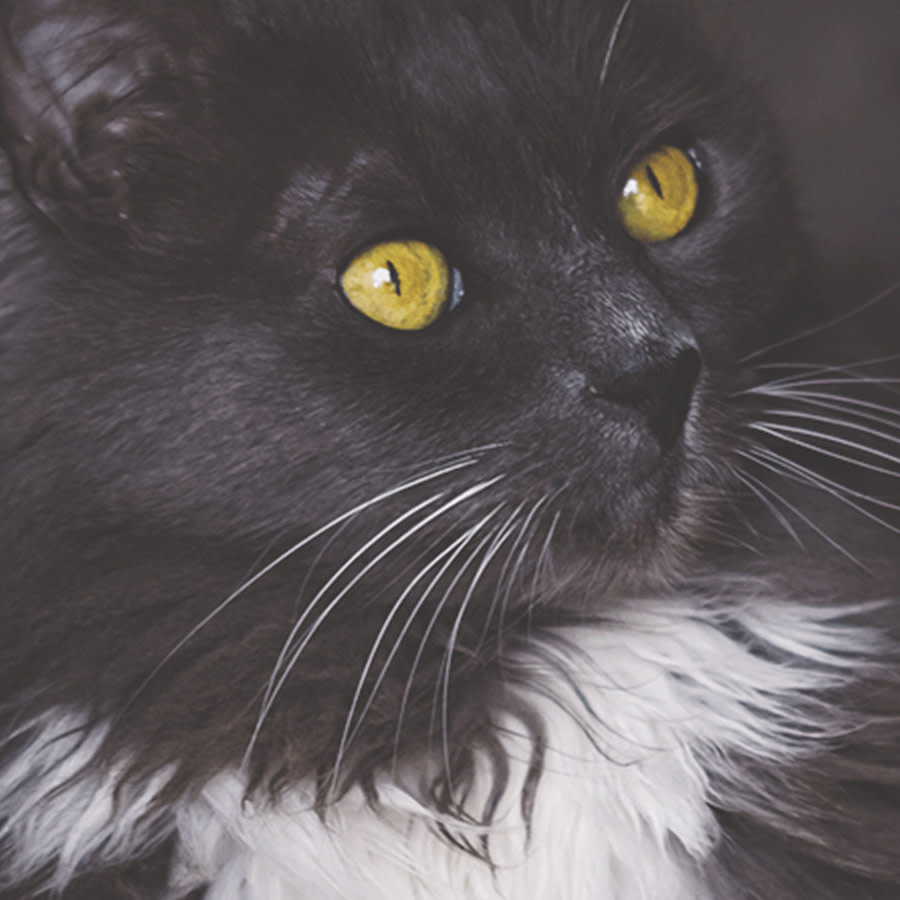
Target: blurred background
x=831, y=69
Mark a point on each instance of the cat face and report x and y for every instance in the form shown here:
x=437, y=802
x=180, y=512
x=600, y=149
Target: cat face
x=188, y=384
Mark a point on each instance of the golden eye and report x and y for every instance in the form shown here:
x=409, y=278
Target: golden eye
x=660, y=196
x=401, y=284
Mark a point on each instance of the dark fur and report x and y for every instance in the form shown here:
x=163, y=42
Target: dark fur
x=185, y=394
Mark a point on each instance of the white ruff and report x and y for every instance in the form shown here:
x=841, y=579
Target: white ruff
x=637, y=717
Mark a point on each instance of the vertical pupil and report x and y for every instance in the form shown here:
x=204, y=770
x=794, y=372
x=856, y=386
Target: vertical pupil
x=395, y=277
x=654, y=182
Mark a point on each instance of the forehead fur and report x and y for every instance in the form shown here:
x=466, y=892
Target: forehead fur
x=505, y=104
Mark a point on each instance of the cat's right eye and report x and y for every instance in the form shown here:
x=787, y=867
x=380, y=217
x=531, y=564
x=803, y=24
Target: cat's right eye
x=402, y=284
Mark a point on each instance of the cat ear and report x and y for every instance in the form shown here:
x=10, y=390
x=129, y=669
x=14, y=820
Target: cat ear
x=82, y=84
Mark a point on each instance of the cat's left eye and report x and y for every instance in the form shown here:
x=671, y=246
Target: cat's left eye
x=405, y=285
x=660, y=196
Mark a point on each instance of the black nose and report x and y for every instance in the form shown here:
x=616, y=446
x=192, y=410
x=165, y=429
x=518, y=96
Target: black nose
x=661, y=388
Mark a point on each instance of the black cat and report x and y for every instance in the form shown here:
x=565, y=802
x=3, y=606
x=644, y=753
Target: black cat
x=422, y=472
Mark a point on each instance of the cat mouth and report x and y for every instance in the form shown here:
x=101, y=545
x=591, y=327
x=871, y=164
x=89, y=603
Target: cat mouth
x=633, y=514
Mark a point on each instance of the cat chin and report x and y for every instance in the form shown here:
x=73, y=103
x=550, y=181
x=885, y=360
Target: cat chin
x=651, y=545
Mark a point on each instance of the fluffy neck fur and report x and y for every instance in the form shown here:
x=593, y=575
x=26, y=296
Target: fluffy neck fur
x=646, y=714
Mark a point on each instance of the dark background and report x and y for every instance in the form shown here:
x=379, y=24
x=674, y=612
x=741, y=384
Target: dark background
x=831, y=69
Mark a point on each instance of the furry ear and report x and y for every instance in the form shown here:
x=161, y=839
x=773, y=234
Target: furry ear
x=89, y=91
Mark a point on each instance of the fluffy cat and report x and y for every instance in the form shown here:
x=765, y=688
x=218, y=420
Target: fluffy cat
x=423, y=473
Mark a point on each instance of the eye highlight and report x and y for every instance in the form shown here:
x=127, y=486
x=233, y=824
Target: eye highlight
x=660, y=196
x=401, y=284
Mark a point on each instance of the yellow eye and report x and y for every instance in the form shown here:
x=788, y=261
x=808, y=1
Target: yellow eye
x=401, y=284
x=660, y=196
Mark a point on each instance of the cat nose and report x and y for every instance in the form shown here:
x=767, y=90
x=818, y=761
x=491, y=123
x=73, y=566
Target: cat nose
x=660, y=387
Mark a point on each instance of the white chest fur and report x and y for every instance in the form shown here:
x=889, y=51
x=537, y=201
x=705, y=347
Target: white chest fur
x=638, y=714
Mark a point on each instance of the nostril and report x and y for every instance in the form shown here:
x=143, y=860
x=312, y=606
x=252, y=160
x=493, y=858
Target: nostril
x=662, y=390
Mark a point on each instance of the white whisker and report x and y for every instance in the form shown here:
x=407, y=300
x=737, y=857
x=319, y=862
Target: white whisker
x=745, y=520
x=853, y=380
x=545, y=557
x=287, y=667
x=804, y=371
x=523, y=527
x=784, y=432
x=470, y=451
x=836, y=489
x=518, y=566
x=538, y=574
x=841, y=423
x=500, y=537
x=825, y=325
x=778, y=515
x=423, y=642
x=829, y=367
x=613, y=40
x=310, y=607
x=452, y=552
x=826, y=537
x=338, y=520
x=863, y=409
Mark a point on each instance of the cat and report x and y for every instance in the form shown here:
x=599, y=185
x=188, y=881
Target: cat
x=425, y=470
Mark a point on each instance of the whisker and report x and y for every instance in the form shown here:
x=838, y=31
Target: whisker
x=863, y=409
x=790, y=506
x=855, y=380
x=545, y=558
x=746, y=545
x=299, y=545
x=818, y=371
x=778, y=515
x=500, y=537
x=613, y=40
x=501, y=585
x=288, y=666
x=822, y=480
x=538, y=574
x=817, y=329
x=830, y=420
x=744, y=518
x=336, y=576
x=828, y=367
x=423, y=641
x=295, y=629
x=411, y=618
x=452, y=552
x=519, y=566
x=470, y=451
x=313, y=566
x=779, y=432
x=808, y=369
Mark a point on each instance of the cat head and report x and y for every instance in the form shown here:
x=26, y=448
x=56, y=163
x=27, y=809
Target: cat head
x=367, y=288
